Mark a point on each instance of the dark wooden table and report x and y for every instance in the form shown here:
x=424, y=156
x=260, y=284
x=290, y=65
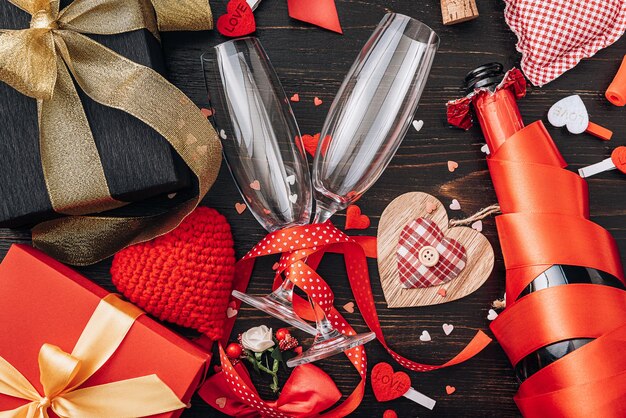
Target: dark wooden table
x=312, y=62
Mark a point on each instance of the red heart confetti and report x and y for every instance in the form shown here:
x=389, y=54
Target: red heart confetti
x=388, y=385
x=355, y=219
x=317, y=101
x=452, y=165
x=207, y=112
x=240, y=207
x=255, y=185
x=450, y=389
x=430, y=207
x=349, y=307
x=390, y=413
x=310, y=143
x=442, y=292
x=295, y=98
x=238, y=20
x=221, y=402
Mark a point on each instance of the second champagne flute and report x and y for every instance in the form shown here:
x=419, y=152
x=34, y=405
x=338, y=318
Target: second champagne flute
x=366, y=123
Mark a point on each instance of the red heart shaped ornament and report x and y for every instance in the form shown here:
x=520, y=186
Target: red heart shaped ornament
x=238, y=20
x=388, y=385
x=426, y=257
x=184, y=276
x=355, y=219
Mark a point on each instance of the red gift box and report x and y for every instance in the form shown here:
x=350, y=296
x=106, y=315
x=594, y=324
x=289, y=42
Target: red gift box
x=43, y=301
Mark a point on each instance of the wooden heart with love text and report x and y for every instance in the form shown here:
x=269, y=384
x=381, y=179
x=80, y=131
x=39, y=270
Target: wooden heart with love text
x=401, y=215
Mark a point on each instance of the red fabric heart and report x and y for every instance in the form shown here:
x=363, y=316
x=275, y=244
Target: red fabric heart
x=413, y=273
x=184, y=276
x=355, y=219
x=388, y=385
x=310, y=144
x=238, y=20
x=554, y=35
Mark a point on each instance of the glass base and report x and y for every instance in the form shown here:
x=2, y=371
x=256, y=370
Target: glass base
x=323, y=348
x=281, y=309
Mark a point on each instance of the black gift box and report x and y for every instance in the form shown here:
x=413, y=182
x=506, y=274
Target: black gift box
x=138, y=162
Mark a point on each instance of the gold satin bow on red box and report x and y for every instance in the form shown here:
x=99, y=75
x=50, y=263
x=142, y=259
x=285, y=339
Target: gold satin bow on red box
x=63, y=374
x=544, y=223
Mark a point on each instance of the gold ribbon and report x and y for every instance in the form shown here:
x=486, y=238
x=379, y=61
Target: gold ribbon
x=61, y=375
x=40, y=62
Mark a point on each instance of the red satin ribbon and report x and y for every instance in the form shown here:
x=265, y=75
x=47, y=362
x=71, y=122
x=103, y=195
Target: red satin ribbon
x=322, y=13
x=545, y=223
x=302, y=248
x=307, y=392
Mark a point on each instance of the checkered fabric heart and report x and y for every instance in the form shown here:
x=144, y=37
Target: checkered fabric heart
x=414, y=237
x=554, y=35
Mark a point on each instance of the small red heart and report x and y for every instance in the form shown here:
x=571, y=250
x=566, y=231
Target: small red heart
x=317, y=101
x=238, y=20
x=390, y=413
x=310, y=143
x=207, y=112
x=450, y=389
x=388, y=385
x=295, y=98
x=355, y=220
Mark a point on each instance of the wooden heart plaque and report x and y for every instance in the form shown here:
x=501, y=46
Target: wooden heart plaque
x=406, y=209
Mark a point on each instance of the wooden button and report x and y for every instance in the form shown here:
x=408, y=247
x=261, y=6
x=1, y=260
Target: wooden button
x=428, y=256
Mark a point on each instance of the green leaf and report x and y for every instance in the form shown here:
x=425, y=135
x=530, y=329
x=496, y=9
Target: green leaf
x=277, y=355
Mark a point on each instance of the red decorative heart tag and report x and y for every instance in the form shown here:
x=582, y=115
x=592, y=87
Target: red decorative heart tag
x=238, y=20
x=426, y=257
x=388, y=385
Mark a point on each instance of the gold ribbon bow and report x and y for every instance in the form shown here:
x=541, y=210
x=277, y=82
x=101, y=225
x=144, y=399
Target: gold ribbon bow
x=61, y=375
x=38, y=62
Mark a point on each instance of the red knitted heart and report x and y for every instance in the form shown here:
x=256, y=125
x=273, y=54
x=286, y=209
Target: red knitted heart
x=185, y=276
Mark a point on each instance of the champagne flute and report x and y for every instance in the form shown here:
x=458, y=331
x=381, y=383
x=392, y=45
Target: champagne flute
x=263, y=150
x=366, y=123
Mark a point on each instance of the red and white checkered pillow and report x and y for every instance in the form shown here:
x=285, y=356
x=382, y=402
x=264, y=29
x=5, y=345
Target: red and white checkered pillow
x=554, y=35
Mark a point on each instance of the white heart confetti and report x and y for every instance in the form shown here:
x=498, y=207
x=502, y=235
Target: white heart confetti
x=223, y=134
x=455, y=205
x=293, y=198
x=425, y=336
x=478, y=225
x=418, y=124
x=485, y=149
x=492, y=315
x=291, y=179
x=447, y=328
x=571, y=112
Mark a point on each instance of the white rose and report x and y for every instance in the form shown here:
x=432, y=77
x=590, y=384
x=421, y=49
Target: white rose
x=257, y=339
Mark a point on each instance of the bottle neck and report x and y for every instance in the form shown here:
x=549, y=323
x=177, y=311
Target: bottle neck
x=498, y=115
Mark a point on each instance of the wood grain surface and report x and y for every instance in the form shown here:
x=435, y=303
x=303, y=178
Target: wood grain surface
x=312, y=62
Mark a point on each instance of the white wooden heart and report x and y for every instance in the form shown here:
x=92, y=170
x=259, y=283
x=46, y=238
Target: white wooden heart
x=571, y=112
x=406, y=208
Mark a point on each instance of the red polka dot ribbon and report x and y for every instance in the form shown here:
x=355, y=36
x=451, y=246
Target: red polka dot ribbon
x=302, y=247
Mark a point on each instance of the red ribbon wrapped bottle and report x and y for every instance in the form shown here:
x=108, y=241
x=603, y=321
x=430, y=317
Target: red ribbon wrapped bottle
x=564, y=327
